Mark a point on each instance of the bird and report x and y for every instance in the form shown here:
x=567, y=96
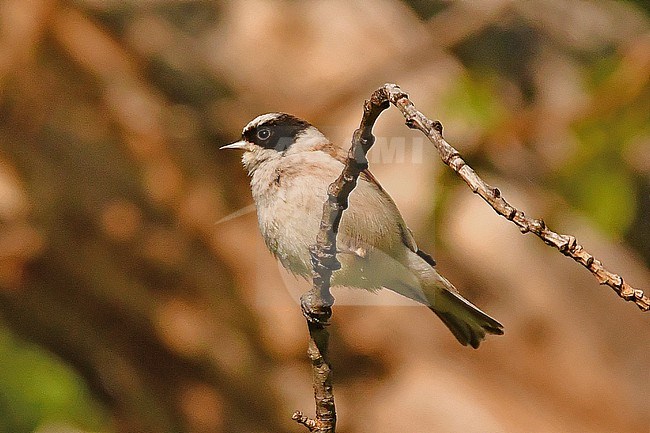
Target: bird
x=291, y=164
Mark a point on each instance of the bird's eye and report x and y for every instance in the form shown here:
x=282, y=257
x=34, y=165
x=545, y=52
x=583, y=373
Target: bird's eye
x=263, y=134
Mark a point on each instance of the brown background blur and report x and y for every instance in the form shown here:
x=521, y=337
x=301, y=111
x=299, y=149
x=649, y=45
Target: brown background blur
x=133, y=300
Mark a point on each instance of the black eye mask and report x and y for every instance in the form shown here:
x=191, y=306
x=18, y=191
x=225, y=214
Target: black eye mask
x=278, y=133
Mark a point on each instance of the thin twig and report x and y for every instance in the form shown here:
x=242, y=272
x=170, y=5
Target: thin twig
x=317, y=302
x=566, y=244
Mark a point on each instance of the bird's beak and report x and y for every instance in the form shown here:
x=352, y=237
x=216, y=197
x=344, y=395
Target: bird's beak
x=236, y=145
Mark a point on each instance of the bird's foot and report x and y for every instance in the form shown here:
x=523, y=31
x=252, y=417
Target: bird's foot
x=316, y=310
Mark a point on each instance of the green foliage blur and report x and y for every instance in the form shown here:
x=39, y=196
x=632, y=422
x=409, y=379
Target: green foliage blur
x=598, y=177
x=38, y=389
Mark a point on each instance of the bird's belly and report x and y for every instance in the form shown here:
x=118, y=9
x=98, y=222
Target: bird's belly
x=288, y=231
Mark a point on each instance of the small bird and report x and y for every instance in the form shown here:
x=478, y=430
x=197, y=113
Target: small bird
x=291, y=165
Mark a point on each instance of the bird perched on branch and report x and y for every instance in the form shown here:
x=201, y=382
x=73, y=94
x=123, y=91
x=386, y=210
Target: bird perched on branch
x=291, y=165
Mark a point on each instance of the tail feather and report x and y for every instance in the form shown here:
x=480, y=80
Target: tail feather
x=460, y=331
x=468, y=324
x=417, y=279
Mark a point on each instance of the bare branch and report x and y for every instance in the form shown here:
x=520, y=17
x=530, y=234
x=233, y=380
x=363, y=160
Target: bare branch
x=566, y=244
x=317, y=303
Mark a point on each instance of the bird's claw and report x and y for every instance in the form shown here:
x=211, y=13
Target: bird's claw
x=315, y=310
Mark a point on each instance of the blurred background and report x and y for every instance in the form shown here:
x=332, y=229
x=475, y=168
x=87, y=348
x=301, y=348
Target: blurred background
x=135, y=291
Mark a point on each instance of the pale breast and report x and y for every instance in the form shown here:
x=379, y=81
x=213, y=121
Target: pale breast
x=290, y=204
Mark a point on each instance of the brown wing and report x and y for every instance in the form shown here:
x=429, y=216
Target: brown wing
x=367, y=176
x=405, y=232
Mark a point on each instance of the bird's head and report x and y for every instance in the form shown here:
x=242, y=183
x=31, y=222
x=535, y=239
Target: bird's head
x=274, y=135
